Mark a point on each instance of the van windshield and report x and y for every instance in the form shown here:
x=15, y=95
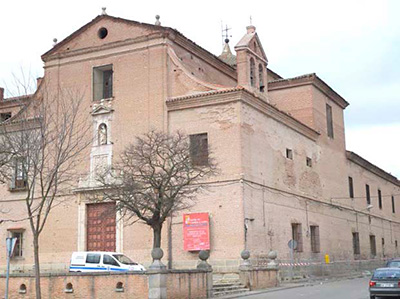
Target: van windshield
x=124, y=259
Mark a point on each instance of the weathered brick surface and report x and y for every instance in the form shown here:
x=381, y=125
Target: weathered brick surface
x=101, y=286
x=258, y=192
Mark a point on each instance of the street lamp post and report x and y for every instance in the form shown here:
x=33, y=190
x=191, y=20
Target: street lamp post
x=10, y=244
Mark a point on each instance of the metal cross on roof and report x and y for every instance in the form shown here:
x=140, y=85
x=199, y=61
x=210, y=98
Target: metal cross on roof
x=225, y=35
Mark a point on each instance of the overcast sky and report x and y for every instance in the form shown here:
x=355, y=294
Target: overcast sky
x=352, y=45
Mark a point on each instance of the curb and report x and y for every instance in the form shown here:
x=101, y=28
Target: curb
x=287, y=287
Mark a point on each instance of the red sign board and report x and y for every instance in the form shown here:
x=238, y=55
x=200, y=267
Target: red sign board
x=196, y=232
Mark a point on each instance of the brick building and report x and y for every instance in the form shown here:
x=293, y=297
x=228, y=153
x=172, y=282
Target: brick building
x=279, y=142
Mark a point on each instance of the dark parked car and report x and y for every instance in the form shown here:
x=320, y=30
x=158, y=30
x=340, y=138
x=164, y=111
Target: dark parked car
x=385, y=282
x=394, y=263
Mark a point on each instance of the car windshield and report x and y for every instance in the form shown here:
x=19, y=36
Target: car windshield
x=387, y=274
x=124, y=259
x=394, y=264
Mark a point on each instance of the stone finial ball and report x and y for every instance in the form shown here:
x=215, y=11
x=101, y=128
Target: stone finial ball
x=157, y=17
x=204, y=255
x=272, y=254
x=157, y=253
x=245, y=254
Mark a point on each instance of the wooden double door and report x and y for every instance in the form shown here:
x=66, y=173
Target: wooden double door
x=101, y=227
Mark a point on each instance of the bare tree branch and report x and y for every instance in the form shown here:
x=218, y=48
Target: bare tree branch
x=155, y=177
x=40, y=150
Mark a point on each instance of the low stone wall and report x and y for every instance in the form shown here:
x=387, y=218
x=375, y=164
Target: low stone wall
x=187, y=284
x=179, y=284
x=257, y=279
x=79, y=285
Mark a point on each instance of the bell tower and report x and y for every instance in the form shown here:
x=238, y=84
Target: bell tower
x=251, y=62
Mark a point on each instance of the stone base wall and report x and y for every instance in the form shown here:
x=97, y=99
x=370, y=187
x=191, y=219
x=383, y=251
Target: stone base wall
x=187, y=284
x=107, y=285
x=257, y=279
x=179, y=284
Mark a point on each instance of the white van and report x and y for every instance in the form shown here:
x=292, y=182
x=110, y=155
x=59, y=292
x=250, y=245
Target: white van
x=98, y=261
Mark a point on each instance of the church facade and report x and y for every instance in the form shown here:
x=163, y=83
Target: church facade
x=279, y=142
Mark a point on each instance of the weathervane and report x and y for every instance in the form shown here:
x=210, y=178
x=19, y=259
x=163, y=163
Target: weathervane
x=225, y=34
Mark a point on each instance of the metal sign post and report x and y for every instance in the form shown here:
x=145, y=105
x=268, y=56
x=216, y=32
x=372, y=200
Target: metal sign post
x=292, y=245
x=10, y=245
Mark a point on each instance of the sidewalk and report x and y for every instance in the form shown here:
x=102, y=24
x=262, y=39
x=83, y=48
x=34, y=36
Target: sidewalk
x=298, y=284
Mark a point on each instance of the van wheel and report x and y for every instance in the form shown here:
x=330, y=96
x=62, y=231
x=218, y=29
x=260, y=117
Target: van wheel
x=372, y=297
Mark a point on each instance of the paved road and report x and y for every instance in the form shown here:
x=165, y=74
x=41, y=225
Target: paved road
x=345, y=289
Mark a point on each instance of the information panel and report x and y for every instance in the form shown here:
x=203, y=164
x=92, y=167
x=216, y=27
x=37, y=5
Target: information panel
x=196, y=232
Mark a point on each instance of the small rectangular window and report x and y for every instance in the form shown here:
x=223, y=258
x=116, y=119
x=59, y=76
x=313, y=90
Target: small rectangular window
x=393, y=207
x=93, y=258
x=329, y=120
x=308, y=162
x=19, y=178
x=199, y=149
x=351, y=190
x=396, y=246
x=102, y=82
x=289, y=154
x=18, y=244
x=297, y=236
x=356, y=243
x=383, y=247
x=372, y=244
x=380, y=199
x=315, y=246
x=5, y=116
x=367, y=194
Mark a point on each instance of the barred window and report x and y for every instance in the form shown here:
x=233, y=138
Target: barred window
x=297, y=236
x=199, y=149
x=356, y=243
x=315, y=245
x=19, y=179
x=372, y=243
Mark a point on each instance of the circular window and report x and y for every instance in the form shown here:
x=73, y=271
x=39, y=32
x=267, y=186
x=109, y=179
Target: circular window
x=102, y=33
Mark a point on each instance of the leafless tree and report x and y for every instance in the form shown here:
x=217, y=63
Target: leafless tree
x=40, y=149
x=157, y=175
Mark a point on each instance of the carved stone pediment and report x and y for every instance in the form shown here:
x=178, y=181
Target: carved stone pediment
x=101, y=109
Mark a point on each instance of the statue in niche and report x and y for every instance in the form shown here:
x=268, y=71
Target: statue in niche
x=102, y=134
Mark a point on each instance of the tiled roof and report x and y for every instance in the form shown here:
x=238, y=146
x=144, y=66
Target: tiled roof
x=205, y=93
x=371, y=167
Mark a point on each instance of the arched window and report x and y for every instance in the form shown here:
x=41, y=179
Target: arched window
x=119, y=287
x=22, y=289
x=102, y=134
x=261, y=77
x=69, y=288
x=252, y=72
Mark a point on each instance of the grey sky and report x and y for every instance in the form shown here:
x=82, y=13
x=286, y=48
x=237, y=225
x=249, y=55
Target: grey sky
x=353, y=45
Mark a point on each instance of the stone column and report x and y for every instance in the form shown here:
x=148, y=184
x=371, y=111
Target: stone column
x=245, y=269
x=272, y=255
x=204, y=265
x=157, y=274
